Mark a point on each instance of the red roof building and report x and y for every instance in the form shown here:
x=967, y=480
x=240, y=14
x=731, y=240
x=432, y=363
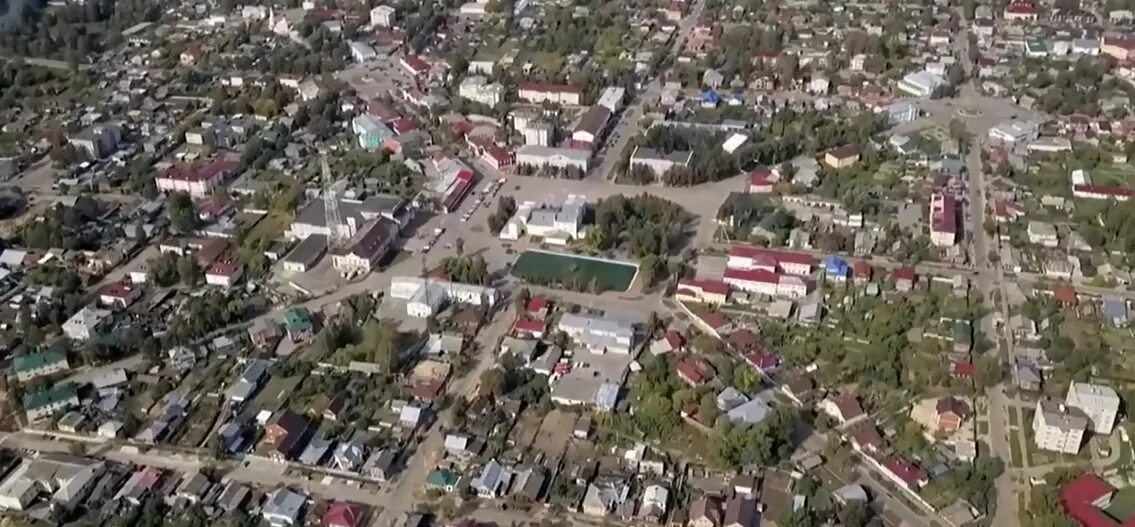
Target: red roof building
x=764, y=361
x=746, y=257
x=415, y=65
x=761, y=181
x=537, y=308
x=906, y=472
x=195, y=180
x=529, y=328
x=866, y=438
x=694, y=372
x=1066, y=295
x=952, y=412
x=861, y=271
x=743, y=340
x=943, y=220
x=457, y=191
x=904, y=278
x=1086, y=497
x=844, y=408
x=342, y=514
x=962, y=369
x=119, y=294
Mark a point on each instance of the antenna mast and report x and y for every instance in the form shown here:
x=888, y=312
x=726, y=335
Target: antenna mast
x=331, y=207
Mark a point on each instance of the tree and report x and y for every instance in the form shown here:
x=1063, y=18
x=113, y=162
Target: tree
x=459, y=245
x=188, y=271
x=181, y=213
x=492, y=382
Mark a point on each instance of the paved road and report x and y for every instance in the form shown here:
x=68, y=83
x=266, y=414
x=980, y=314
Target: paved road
x=628, y=126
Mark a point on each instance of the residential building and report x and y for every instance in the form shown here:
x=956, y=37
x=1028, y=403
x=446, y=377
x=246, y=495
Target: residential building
x=98, y=140
x=414, y=65
x=67, y=479
x=382, y=16
x=600, y=335
x=841, y=157
x=612, y=98
x=85, y=323
x=361, y=52
x=39, y=364
x=943, y=220
x=1086, y=499
x=1100, y=404
x=477, y=88
x=493, y=480
x=1120, y=46
x=197, y=180
x=905, y=473
x=741, y=512
x=766, y=282
x=1058, y=428
x=370, y=133
x=249, y=381
x=951, y=413
x=591, y=126
x=704, y=291
x=1014, y=132
x=537, y=93
x=283, y=508
x=47, y=402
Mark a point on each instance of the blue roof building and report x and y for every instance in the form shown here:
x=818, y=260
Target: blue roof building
x=370, y=132
x=1115, y=311
x=607, y=396
x=836, y=268
x=749, y=413
x=710, y=98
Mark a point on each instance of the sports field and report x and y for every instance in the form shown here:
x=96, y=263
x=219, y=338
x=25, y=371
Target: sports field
x=578, y=273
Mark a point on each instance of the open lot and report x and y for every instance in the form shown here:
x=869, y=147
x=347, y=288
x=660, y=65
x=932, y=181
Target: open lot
x=273, y=395
x=554, y=432
x=543, y=267
x=1122, y=505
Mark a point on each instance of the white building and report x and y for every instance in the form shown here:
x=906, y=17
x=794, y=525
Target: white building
x=536, y=93
x=68, y=479
x=1100, y=404
x=1059, y=428
x=1043, y=234
x=83, y=324
x=597, y=334
x=537, y=133
x=361, y=52
x=612, y=98
x=544, y=156
x=1014, y=131
x=765, y=282
x=561, y=223
x=921, y=83
x=658, y=162
x=424, y=297
x=478, y=89
x=382, y=16
x=196, y=180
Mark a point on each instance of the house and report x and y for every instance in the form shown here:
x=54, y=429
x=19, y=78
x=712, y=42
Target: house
x=655, y=499
x=380, y=466
x=197, y=180
x=704, y=291
x=693, y=372
x=342, y=514
x=841, y=157
x=249, y=381
x=264, y=333
x=139, y=485
x=844, y=408
x=443, y=480
x=537, y=308
x=119, y=295
x=283, y=508
x=298, y=324
x=287, y=433
x=943, y=220
x=866, y=439
x=493, y=480
x=194, y=488
x=224, y=272
x=603, y=496
x=1115, y=311
x=740, y=512
x=537, y=93
x=761, y=181
x=1086, y=498
x=1043, y=234
x=1066, y=295
x=705, y=512
x=951, y=413
x=48, y=402
x=905, y=473
x=904, y=279
x=39, y=364
x=745, y=485
x=529, y=329
x=348, y=456
x=591, y=125
x=749, y=258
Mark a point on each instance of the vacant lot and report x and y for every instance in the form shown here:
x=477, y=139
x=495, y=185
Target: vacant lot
x=554, y=433
x=274, y=394
x=574, y=272
x=1114, y=175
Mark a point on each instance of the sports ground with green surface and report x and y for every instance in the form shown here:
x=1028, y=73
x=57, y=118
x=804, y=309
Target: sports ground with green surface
x=573, y=272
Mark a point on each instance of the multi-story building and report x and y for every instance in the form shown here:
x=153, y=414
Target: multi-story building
x=943, y=220
x=551, y=223
x=198, y=181
x=39, y=364
x=478, y=89
x=658, y=162
x=98, y=140
x=746, y=258
x=382, y=16
x=312, y=219
x=545, y=156
x=536, y=92
x=366, y=248
x=424, y=297
x=46, y=403
x=1099, y=403
x=1058, y=427
x=370, y=132
x=1044, y=234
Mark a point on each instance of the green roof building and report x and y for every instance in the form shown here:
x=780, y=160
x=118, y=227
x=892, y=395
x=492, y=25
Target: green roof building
x=45, y=403
x=297, y=321
x=39, y=364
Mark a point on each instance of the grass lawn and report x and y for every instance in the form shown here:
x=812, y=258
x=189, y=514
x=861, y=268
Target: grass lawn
x=1122, y=504
x=573, y=272
x=1110, y=174
x=1016, y=458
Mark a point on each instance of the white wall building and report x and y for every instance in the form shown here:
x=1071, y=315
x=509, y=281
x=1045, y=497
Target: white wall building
x=544, y=156
x=424, y=297
x=1059, y=428
x=598, y=334
x=921, y=83
x=1100, y=404
x=1043, y=234
x=552, y=223
x=382, y=16
x=478, y=89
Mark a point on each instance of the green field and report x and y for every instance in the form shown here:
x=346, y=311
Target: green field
x=578, y=273
x=1115, y=175
x=1122, y=504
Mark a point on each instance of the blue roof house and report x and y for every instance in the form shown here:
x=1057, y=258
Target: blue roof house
x=370, y=132
x=710, y=99
x=837, y=268
x=1115, y=311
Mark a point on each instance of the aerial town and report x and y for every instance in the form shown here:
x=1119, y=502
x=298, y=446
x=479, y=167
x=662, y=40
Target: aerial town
x=528, y=263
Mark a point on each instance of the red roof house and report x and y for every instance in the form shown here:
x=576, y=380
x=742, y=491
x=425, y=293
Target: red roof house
x=1066, y=295
x=537, y=308
x=906, y=472
x=952, y=412
x=342, y=514
x=694, y=372
x=529, y=328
